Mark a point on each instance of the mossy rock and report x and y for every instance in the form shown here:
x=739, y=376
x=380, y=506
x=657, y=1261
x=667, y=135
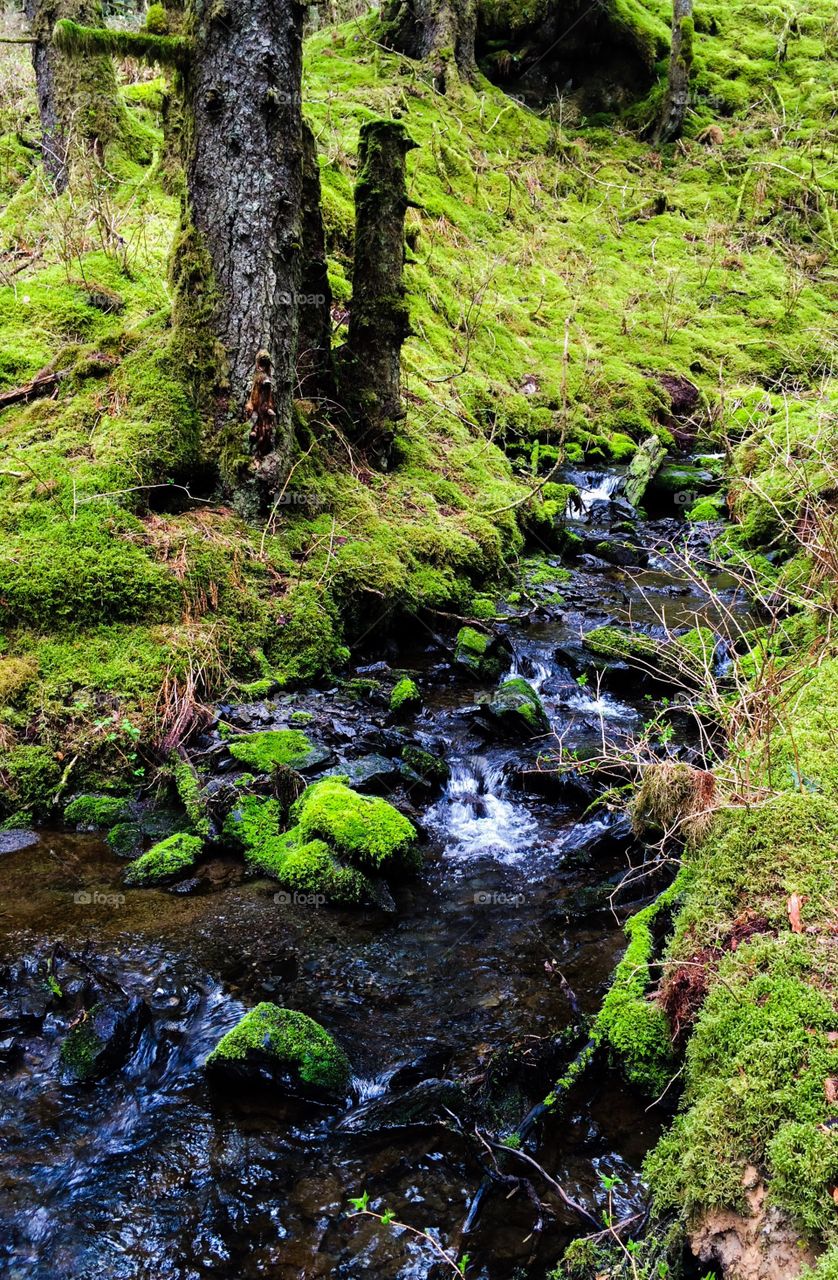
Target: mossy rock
x=683, y=659
x=483, y=655
x=165, y=861
x=102, y=1039
x=91, y=812
x=405, y=697
x=428, y=768
x=366, y=830
x=297, y=862
x=285, y=1049
x=291, y=748
x=516, y=708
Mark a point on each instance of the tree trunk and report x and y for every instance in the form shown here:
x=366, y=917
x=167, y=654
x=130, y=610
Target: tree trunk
x=315, y=373
x=77, y=97
x=680, y=65
x=378, y=319
x=243, y=135
x=440, y=31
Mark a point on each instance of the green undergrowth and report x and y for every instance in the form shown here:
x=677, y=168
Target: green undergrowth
x=122, y=594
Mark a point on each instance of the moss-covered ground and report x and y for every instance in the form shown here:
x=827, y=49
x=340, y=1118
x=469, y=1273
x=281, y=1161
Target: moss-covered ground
x=557, y=265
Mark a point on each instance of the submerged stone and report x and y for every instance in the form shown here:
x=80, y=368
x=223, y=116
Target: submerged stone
x=12, y=841
x=283, y=1048
x=103, y=1038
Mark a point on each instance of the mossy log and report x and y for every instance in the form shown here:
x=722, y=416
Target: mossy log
x=378, y=324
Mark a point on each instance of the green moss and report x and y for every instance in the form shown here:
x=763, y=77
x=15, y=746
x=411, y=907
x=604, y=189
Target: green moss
x=365, y=829
x=83, y=572
x=97, y=811
x=405, y=696
x=292, y=1040
x=299, y=863
x=83, y=41
x=126, y=839
x=190, y=794
x=169, y=858
x=631, y=1024
x=79, y=1048
x=616, y=643
x=307, y=642
x=263, y=751
x=30, y=777
x=516, y=705
x=425, y=765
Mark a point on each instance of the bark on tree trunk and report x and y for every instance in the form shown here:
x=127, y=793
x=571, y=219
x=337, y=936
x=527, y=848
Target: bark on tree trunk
x=440, y=31
x=77, y=97
x=680, y=65
x=378, y=320
x=315, y=373
x=243, y=135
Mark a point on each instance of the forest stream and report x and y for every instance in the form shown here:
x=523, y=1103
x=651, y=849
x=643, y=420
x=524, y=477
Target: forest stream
x=457, y=1008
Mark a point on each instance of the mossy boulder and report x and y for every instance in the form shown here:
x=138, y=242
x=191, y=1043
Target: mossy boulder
x=282, y=1048
x=165, y=861
x=421, y=765
x=516, y=708
x=483, y=655
x=366, y=830
x=92, y=812
x=290, y=748
x=405, y=697
x=299, y=862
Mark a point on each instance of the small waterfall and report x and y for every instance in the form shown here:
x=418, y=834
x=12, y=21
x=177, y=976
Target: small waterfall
x=591, y=703
x=535, y=668
x=598, y=486
x=476, y=818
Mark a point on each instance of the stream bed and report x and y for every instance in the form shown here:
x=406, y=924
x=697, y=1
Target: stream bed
x=454, y=1008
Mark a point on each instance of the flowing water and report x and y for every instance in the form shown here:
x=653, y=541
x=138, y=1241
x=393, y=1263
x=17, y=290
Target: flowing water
x=496, y=950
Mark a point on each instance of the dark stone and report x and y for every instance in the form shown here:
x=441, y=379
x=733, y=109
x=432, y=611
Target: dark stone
x=104, y=1038
x=425, y=1105
x=370, y=773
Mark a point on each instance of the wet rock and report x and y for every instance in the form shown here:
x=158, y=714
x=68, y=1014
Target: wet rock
x=13, y=841
x=424, y=1066
x=103, y=1037
x=426, y=1104
x=370, y=773
x=516, y=709
x=485, y=656
x=284, y=1049
x=165, y=861
x=11, y=1053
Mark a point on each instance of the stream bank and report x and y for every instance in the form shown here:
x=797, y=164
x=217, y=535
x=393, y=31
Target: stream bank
x=467, y=994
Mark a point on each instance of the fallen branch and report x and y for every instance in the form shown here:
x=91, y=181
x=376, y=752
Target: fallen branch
x=39, y=386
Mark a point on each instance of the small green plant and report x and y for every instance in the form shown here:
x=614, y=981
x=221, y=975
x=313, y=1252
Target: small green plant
x=361, y=1207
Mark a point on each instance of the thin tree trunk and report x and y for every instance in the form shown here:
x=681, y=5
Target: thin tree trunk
x=77, y=97
x=680, y=66
x=442, y=32
x=244, y=177
x=315, y=373
x=378, y=320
